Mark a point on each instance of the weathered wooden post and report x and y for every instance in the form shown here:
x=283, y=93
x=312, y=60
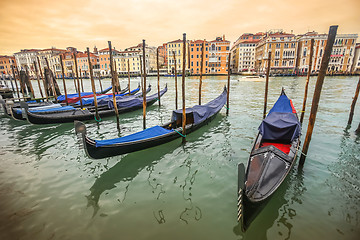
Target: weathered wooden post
x=43, y=79
x=158, y=73
x=97, y=117
x=77, y=79
x=63, y=78
x=354, y=103
x=81, y=80
x=307, y=80
x=52, y=83
x=16, y=85
x=113, y=87
x=144, y=95
x=317, y=92
x=117, y=83
x=28, y=83
x=267, y=82
x=228, y=87
x=38, y=80
x=53, y=80
x=74, y=78
x=128, y=63
x=183, y=90
x=201, y=69
x=101, y=88
x=176, y=90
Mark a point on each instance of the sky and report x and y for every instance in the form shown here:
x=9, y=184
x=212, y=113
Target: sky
x=39, y=24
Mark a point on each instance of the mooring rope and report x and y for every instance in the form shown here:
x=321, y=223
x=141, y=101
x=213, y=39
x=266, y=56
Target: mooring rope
x=179, y=133
x=96, y=119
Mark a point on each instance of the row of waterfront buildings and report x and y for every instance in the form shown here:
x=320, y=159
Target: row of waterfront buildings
x=249, y=54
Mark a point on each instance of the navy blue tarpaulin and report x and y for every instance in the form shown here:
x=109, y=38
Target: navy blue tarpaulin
x=145, y=134
x=105, y=101
x=202, y=112
x=281, y=123
x=134, y=101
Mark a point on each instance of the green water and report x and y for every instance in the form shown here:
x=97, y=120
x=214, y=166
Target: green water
x=50, y=190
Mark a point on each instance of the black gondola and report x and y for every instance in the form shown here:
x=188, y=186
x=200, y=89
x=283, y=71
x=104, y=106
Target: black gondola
x=16, y=111
x=71, y=114
x=271, y=159
x=196, y=117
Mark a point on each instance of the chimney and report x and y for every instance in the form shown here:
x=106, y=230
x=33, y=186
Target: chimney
x=95, y=50
x=224, y=37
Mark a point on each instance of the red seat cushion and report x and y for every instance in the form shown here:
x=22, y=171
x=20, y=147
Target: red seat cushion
x=281, y=146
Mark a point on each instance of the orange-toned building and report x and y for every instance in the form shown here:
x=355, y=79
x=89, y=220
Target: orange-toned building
x=195, y=57
x=5, y=65
x=104, y=60
x=162, y=53
x=218, y=56
x=83, y=65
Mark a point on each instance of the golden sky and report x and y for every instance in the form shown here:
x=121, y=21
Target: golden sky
x=86, y=23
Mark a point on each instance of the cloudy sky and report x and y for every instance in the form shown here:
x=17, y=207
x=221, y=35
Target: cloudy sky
x=86, y=23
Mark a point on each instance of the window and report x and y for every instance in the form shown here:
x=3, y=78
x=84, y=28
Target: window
x=320, y=52
x=304, y=53
x=227, y=48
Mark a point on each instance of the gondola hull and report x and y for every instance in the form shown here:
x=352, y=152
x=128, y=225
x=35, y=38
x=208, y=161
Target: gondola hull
x=77, y=115
x=271, y=159
x=108, y=151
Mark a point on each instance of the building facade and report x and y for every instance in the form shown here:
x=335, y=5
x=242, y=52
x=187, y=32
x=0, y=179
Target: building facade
x=243, y=52
x=342, y=56
x=356, y=63
x=5, y=65
x=219, y=50
x=195, y=56
x=283, y=47
x=175, y=48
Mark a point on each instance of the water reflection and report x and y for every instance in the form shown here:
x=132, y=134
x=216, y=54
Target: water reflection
x=278, y=211
x=344, y=182
x=125, y=171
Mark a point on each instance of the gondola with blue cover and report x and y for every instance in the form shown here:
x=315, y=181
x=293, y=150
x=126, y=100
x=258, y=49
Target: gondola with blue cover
x=196, y=117
x=271, y=159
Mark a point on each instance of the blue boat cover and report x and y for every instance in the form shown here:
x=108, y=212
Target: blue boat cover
x=19, y=111
x=90, y=100
x=145, y=134
x=72, y=95
x=105, y=101
x=282, y=122
x=202, y=112
x=58, y=109
x=133, y=101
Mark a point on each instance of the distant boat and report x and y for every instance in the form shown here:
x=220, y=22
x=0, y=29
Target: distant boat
x=172, y=75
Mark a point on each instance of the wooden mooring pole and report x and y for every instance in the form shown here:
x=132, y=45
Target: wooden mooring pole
x=354, y=103
x=144, y=95
x=101, y=88
x=38, y=80
x=176, y=90
x=307, y=80
x=201, y=69
x=183, y=90
x=113, y=87
x=16, y=85
x=158, y=74
x=317, y=92
x=128, y=63
x=228, y=86
x=357, y=131
x=267, y=82
x=43, y=79
x=52, y=83
x=63, y=78
x=97, y=117
x=77, y=79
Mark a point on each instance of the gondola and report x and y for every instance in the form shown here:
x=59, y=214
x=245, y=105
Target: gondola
x=71, y=95
x=16, y=111
x=196, y=117
x=69, y=115
x=271, y=159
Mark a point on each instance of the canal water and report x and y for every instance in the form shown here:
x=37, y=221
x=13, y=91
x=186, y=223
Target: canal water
x=49, y=188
